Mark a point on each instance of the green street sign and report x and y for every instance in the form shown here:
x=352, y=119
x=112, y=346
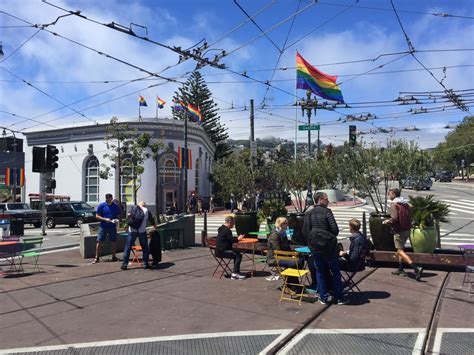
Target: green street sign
x=305, y=127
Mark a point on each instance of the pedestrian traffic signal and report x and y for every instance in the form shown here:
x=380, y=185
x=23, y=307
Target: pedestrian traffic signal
x=50, y=184
x=38, y=159
x=51, y=158
x=352, y=135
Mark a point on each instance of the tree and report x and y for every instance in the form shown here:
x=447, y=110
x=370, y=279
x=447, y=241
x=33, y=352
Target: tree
x=458, y=146
x=128, y=150
x=195, y=91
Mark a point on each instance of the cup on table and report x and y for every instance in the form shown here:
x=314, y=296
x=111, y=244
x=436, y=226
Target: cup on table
x=289, y=233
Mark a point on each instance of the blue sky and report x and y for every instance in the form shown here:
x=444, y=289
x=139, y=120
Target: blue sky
x=340, y=37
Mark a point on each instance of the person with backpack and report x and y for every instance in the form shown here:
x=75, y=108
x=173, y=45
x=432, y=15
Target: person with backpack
x=401, y=223
x=137, y=220
x=321, y=230
x=108, y=214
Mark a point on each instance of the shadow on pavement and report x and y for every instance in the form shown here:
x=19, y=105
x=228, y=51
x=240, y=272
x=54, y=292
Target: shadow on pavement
x=364, y=297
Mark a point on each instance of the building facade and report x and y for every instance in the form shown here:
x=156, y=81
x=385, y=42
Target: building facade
x=81, y=154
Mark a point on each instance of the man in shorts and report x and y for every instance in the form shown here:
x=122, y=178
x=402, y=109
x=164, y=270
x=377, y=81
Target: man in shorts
x=107, y=213
x=401, y=224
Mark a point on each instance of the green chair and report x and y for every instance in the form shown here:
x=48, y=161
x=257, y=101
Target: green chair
x=28, y=244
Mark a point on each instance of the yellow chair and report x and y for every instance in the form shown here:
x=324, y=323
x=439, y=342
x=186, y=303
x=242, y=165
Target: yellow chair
x=286, y=272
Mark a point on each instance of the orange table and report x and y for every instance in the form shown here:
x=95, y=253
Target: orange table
x=9, y=250
x=248, y=244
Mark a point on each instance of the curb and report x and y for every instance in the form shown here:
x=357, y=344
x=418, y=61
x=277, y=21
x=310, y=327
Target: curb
x=59, y=247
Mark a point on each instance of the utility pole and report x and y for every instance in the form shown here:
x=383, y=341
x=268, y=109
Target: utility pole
x=252, y=145
x=43, y=203
x=309, y=104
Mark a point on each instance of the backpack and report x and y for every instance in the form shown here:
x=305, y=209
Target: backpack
x=404, y=220
x=322, y=241
x=135, y=218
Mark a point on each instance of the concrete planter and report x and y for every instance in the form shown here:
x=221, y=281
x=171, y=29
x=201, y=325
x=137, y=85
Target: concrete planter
x=88, y=240
x=381, y=234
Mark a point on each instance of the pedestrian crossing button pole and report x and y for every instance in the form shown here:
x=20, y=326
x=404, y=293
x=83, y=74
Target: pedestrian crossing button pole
x=204, y=232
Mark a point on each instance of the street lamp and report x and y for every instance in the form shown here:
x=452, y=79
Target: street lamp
x=309, y=104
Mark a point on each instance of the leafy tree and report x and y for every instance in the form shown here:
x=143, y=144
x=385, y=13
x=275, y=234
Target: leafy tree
x=128, y=150
x=196, y=92
x=458, y=145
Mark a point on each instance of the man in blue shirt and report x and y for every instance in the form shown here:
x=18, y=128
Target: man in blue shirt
x=107, y=213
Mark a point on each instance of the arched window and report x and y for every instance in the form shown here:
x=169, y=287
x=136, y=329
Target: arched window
x=196, y=175
x=91, y=172
x=169, y=173
x=126, y=179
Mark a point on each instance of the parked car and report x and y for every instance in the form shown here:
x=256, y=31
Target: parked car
x=71, y=213
x=22, y=212
x=417, y=183
x=443, y=176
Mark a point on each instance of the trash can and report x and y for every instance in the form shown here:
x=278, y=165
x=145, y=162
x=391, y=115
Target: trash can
x=17, y=227
x=4, y=225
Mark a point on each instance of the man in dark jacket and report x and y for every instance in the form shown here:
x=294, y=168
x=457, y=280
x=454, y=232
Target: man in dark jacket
x=321, y=230
x=354, y=259
x=224, y=246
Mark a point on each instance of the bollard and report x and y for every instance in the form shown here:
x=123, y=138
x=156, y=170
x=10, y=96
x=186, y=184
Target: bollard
x=204, y=232
x=438, y=235
x=364, y=224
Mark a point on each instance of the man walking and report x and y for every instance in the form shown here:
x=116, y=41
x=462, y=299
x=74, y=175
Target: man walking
x=138, y=231
x=224, y=246
x=107, y=213
x=321, y=230
x=401, y=223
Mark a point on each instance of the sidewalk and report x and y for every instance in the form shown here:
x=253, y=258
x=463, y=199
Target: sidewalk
x=73, y=301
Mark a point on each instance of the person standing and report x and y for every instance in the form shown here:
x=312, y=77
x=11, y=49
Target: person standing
x=259, y=199
x=211, y=204
x=232, y=203
x=401, y=223
x=107, y=213
x=224, y=246
x=321, y=230
x=140, y=233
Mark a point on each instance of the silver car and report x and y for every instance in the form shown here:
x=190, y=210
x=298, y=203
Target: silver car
x=417, y=183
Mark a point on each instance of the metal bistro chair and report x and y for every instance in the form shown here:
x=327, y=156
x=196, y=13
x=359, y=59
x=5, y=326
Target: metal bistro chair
x=287, y=272
x=29, y=243
x=222, y=263
x=468, y=256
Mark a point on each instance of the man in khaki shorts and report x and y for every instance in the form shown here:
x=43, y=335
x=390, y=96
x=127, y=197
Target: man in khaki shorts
x=401, y=224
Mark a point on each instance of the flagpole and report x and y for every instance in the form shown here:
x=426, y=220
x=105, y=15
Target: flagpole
x=296, y=112
x=157, y=108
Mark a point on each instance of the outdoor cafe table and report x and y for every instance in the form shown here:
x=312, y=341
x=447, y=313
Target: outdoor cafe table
x=9, y=250
x=248, y=244
x=259, y=235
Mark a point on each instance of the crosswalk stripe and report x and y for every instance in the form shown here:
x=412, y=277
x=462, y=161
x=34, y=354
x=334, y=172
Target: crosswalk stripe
x=470, y=201
x=459, y=210
x=460, y=204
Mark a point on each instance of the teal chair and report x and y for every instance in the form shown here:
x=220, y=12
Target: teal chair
x=28, y=251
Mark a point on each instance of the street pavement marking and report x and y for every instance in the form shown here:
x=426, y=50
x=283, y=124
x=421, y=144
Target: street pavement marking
x=459, y=210
x=460, y=203
x=439, y=334
x=145, y=340
x=417, y=348
x=470, y=201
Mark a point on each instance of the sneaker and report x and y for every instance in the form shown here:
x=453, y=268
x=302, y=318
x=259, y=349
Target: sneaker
x=154, y=266
x=272, y=278
x=342, y=302
x=146, y=266
x=96, y=260
x=399, y=272
x=418, y=273
x=237, y=277
x=326, y=302
x=312, y=290
x=123, y=267
x=114, y=259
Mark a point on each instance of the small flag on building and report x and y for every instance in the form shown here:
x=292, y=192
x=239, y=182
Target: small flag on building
x=195, y=113
x=142, y=101
x=184, y=160
x=160, y=102
x=14, y=177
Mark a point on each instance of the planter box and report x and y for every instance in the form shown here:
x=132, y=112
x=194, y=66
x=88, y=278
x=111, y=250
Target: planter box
x=174, y=234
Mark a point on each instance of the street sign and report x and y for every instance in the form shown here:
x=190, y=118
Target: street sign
x=305, y=127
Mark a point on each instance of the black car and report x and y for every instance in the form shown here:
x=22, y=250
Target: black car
x=22, y=212
x=70, y=213
x=443, y=176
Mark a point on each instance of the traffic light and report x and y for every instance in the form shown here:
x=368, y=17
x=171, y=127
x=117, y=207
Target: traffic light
x=50, y=184
x=51, y=158
x=352, y=135
x=38, y=159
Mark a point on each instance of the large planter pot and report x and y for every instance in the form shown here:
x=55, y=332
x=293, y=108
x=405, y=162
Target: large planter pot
x=382, y=235
x=246, y=222
x=295, y=222
x=423, y=240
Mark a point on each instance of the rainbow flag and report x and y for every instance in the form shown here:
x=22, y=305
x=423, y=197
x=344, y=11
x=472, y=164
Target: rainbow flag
x=161, y=103
x=12, y=174
x=184, y=158
x=141, y=101
x=310, y=78
x=179, y=105
x=195, y=112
